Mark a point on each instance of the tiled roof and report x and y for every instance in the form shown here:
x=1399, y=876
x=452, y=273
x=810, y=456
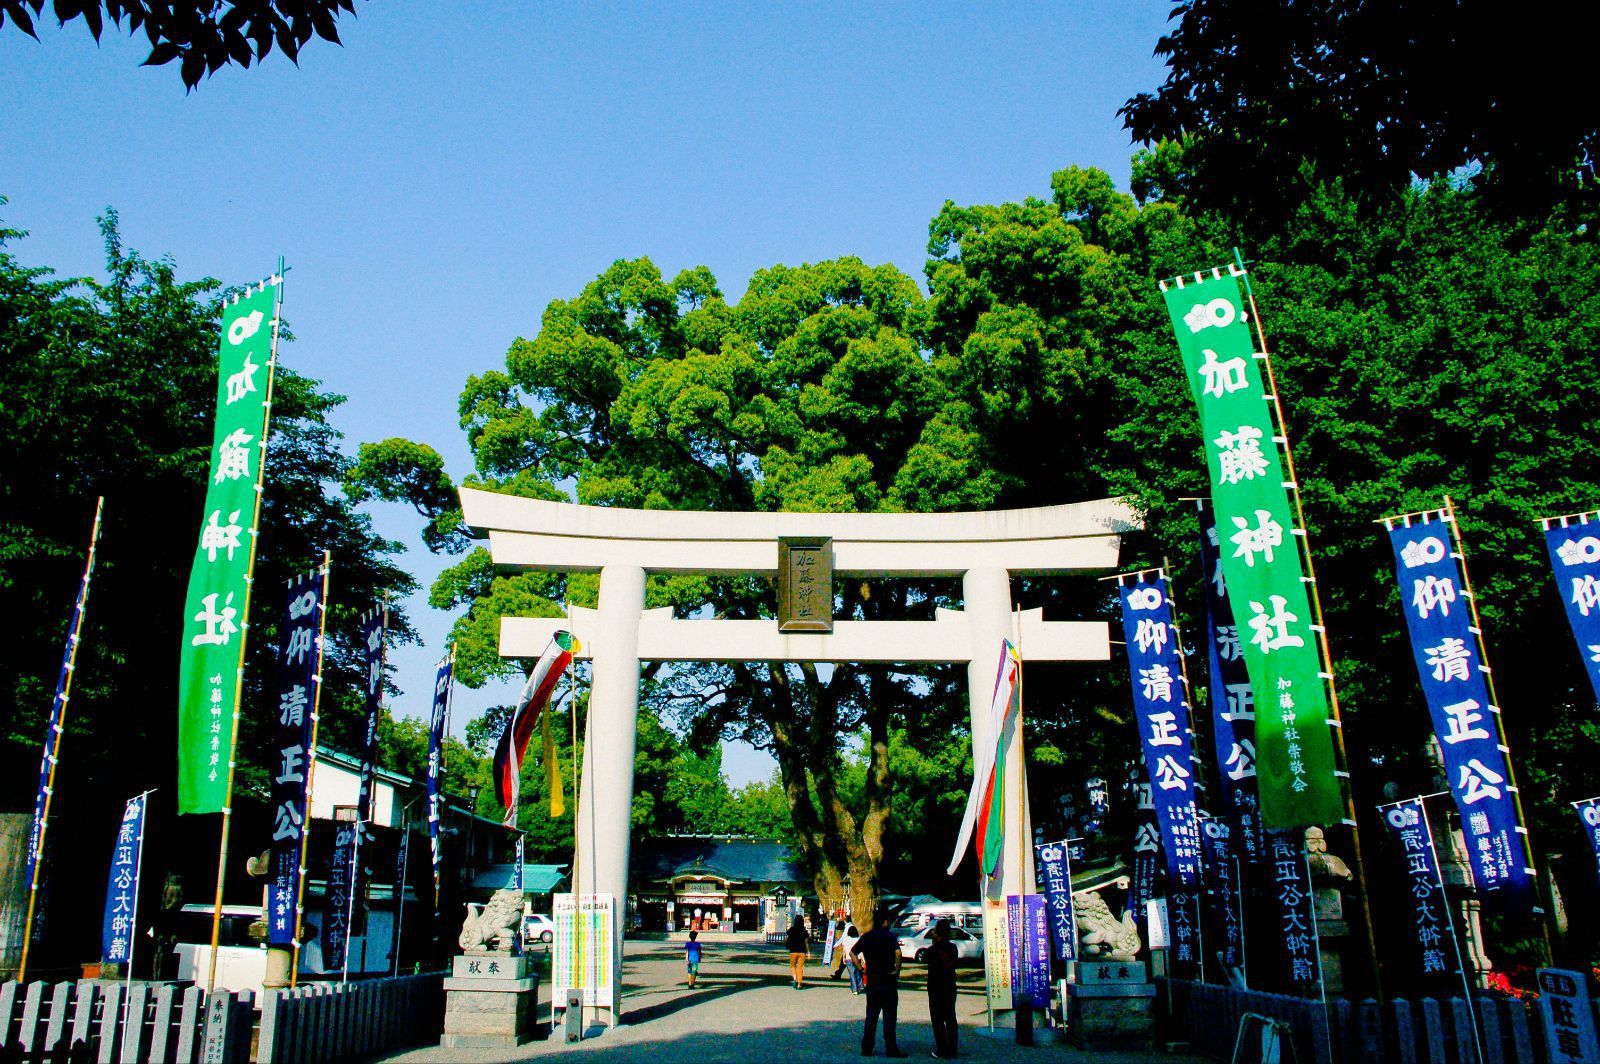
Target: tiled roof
x=741, y=858
x=536, y=878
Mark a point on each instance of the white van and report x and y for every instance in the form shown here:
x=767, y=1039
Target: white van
x=965, y=914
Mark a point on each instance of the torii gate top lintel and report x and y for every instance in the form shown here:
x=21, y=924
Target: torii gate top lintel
x=567, y=537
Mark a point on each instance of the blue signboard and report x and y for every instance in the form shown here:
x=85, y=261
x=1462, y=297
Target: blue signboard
x=1036, y=951
x=1446, y=648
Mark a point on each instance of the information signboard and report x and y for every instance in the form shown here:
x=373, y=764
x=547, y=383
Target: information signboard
x=584, y=947
x=997, y=952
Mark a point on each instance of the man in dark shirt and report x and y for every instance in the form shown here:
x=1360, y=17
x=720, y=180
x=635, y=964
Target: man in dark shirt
x=941, y=957
x=878, y=955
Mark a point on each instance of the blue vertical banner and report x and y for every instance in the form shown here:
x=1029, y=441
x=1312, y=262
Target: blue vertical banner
x=1146, y=847
x=516, y=873
x=118, y=927
x=1098, y=795
x=1161, y=704
x=1036, y=951
x=1431, y=929
x=1589, y=816
x=436, y=725
x=1447, y=650
x=374, y=629
x=1053, y=861
x=1233, y=707
x=294, y=734
x=1575, y=556
x=1222, y=891
x=1290, y=884
x=336, y=902
x=401, y=869
x=54, y=726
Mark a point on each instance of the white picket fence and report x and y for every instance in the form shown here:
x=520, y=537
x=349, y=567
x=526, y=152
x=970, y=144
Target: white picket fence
x=330, y=1021
x=110, y=1023
x=1421, y=1031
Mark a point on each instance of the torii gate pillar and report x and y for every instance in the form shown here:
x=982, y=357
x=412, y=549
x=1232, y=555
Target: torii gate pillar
x=986, y=600
x=605, y=795
x=983, y=549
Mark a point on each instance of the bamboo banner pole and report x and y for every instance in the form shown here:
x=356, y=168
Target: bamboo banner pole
x=1336, y=721
x=244, y=631
x=311, y=768
x=57, y=728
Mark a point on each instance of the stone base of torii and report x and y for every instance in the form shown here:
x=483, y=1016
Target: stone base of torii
x=983, y=549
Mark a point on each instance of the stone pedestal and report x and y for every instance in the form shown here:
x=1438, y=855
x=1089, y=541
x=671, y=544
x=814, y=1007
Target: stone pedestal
x=490, y=1002
x=1112, y=1005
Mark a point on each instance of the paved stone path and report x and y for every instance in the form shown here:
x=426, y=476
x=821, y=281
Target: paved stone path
x=745, y=1009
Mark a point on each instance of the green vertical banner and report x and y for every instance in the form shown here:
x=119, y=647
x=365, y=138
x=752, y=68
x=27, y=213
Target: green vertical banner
x=1260, y=559
x=214, y=615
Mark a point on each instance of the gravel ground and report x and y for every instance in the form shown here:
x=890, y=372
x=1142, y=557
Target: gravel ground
x=745, y=1009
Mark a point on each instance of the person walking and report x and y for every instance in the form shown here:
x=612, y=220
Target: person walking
x=847, y=942
x=941, y=959
x=836, y=932
x=691, y=955
x=799, y=945
x=878, y=953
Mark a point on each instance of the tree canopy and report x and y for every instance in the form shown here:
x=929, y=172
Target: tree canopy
x=1281, y=95
x=202, y=35
x=108, y=388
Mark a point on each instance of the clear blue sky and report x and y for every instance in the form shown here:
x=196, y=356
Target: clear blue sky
x=454, y=167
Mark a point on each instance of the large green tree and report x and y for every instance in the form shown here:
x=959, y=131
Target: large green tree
x=812, y=392
x=1283, y=95
x=108, y=387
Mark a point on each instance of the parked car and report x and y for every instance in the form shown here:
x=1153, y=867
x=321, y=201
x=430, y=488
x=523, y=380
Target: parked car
x=968, y=914
x=241, y=960
x=914, y=943
x=537, y=928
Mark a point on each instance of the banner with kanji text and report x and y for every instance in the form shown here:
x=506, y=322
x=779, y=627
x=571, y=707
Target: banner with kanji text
x=1444, y=644
x=1575, y=555
x=437, y=720
x=118, y=925
x=294, y=738
x=1295, y=764
x=1233, y=704
x=1431, y=931
x=214, y=621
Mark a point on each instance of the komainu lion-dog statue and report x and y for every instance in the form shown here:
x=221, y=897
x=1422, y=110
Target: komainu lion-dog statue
x=493, y=927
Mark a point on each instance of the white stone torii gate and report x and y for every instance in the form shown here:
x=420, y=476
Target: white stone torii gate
x=984, y=549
